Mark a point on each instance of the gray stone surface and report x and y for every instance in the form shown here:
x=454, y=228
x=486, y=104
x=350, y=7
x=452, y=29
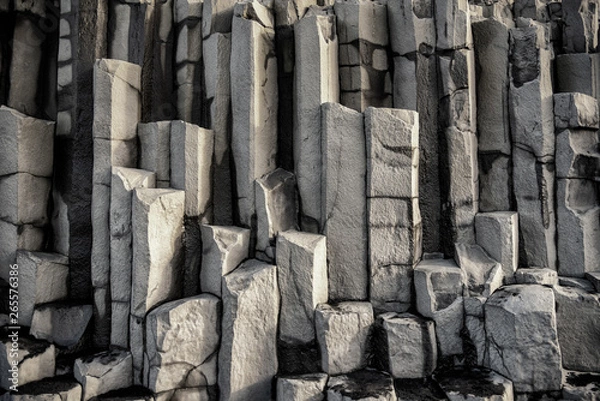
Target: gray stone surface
x=343, y=332
x=182, y=340
x=536, y=276
x=453, y=25
x=302, y=278
x=409, y=345
x=49, y=389
x=25, y=237
x=254, y=101
x=581, y=386
x=521, y=327
x=363, y=385
x=576, y=154
x=497, y=233
x=344, y=201
x=580, y=34
x=155, y=145
x=216, y=16
x=103, y=372
x=477, y=384
x=60, y=324
x=24, y=199
x=43, y=279
x=316, y=82
x=575, y=110
x=594, y=278
x=578, y=72
x=247, y=364
x=34, y=361
x=411, y=26
x=482, y=275
x=307, y=387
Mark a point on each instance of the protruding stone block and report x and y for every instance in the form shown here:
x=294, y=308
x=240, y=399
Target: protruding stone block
x=302, y=387
x=155, y=145
x=477, y=384
x=409, y=345
x=26, y=143
x=520, y=322
x=302, y=277
x=344, y=201
x=578, y=328
x=276, y=209
x=497, y=233
x=247, y=364
x=61, y=324
x=224, y=248
x=43, y=278
x=191, y=163
x=182, y=340
x=481, y=274
x=103, y=372
x=343, y=331
x=575, y=110
x=580, y=33
x=536, y=276
x=453, y=25
x=364, y=385
x=254, y=101
x=24, y=199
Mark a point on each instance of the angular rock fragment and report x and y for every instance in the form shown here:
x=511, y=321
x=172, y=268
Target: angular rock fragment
x=316, y=52
x=408, y=343
x=302, y=278
x=497, y=233
x=103, y=372
x=363, y=385
x=247, y=364
x=477, y=384
x=302, y=387
x=521, y=328
x=182, y=340
x=536, y=276
x=343, y=332
x=481, y=274
x=453, y=25
x=61, y=324
x=22, y=237
x=43, y=278
x=155, y=145
x=254, y=101
x=575, y=110
x=34, y=360
x=276, y=209
x=24, y=199
x=344, y=201
x=578, y=328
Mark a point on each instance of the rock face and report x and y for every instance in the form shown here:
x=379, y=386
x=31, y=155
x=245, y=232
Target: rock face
x=481, y=274
x=475, y=384
x=343, y=332
x=247, y=363
x=50, y=389
x=182, y=340
x=103, y=372
x=497, y=233
x=363, y=385
x=521, y=327
x=60, y=324
x=309, y=387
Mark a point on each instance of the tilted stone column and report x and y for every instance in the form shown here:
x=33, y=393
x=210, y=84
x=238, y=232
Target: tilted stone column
x=155, y=150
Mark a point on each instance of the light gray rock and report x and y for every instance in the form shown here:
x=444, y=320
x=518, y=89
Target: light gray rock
x=575, y=110
x=182, y=340
x=119, y=322
x=410, y=344
x=302, y=278
x=247, y=364
x=24, y=199
x=364, y=385
x=25, y=237
x=316, y=82
x=35, y=360
x=361, y=20
x=476, y=384
x=50, y=389
x=578, y=227
x=343, y=332
x=594, y=278
x=254, y=101
x=482, y=275
x=307, y=387
x=60, y=324
x=344, y=201
x=453, y=25
x=217, y=16
x=497, y=233
x=43, y=278
x=411, y=26
x=534, y=9
x=520, y=322
x=117, y=99
x=536, y=276
x=103, y=372
x=276, y=208
x=578, y=328
x=576, y=154
x=155, y=145
x=26, y=143
x=191, y=164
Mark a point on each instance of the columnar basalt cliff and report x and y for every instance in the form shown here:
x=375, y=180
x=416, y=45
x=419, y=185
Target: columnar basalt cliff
x=296, y=200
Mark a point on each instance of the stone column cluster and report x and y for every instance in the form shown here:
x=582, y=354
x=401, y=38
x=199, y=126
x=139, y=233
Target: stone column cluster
x=300, y=200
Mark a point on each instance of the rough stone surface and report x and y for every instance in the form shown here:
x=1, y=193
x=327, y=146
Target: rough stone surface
x=408, y=343
x=343, y=332
x=453, y=25
x=575, y=110
x=497, y=233
x=581, y=386
x=481, y=274
x=24, y=237
x=60, y=324
x=155, y=145
x=363, y=385
x=302, y=278
x=344, y=201
x=182, y=340
x=411, y=26
x=248, y=354
x=224, y=248
x=308, y=387
x=594, y=278
x=536, y=276
x=43, y=279
x=61, y=388
x=521, y=327
x=103, y=372
x=24, y=199
x=477, y=384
